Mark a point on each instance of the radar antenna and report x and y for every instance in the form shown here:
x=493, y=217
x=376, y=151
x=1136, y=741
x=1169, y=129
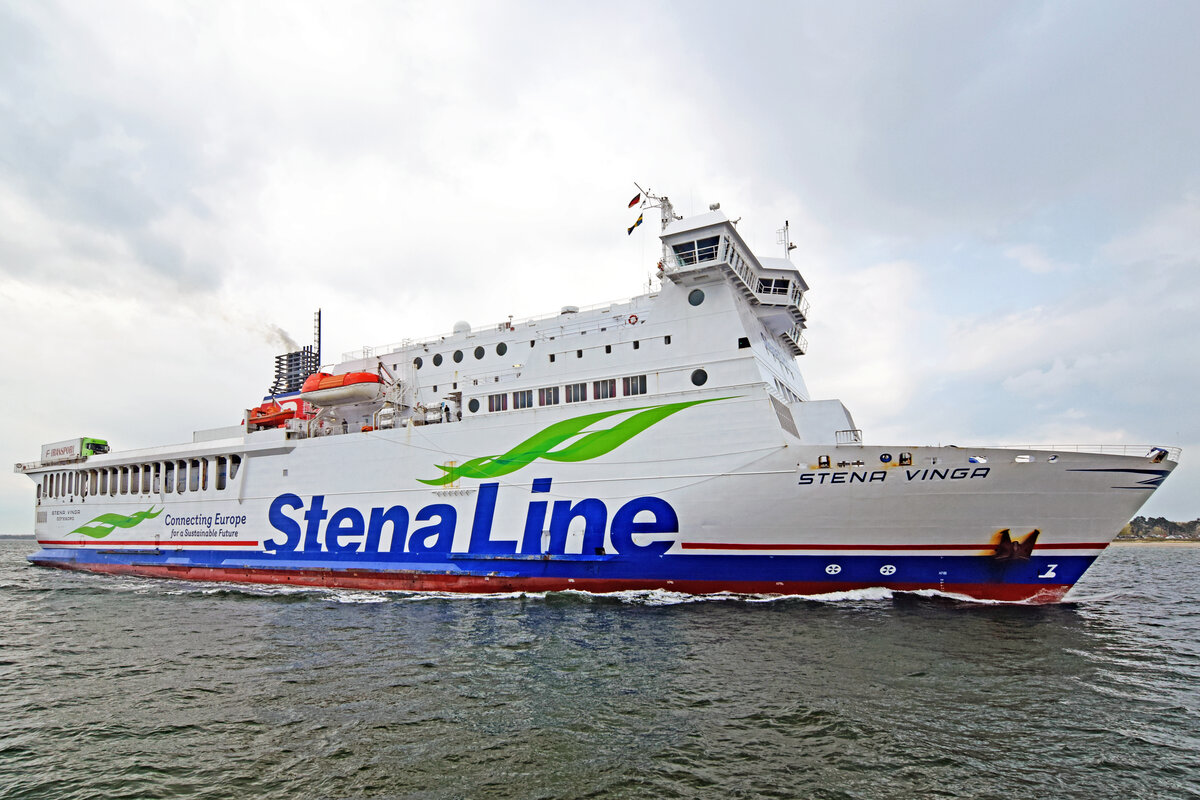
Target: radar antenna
x=651, y=200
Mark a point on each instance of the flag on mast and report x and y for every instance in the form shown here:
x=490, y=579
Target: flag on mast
x=637, y=198
x=634, y=225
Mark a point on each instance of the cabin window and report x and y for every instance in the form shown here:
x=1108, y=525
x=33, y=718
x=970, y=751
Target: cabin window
x=437, y=359
x=523, y=399
x=634, y=384
x=699, y=377
x=458, y=356
x=479, y=351
x=417, y=362
x=552, y=358
x=498, y=402
x=502, y=348
x=608, y=348
x=636, y=344
x=696, y=297
x=221, y=472
x=666, y=340
x=743, y=342
x=473, y=406
x=548, y=396
x=602, y=390
x=576, y=392
x=579, y=354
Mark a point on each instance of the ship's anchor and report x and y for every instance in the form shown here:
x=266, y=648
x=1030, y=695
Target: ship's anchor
x=1009, y=550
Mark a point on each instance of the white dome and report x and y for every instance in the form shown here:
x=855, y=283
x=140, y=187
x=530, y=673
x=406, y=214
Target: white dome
x=462, y=326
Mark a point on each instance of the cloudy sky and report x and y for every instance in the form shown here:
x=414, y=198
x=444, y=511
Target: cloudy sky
x=997, y=204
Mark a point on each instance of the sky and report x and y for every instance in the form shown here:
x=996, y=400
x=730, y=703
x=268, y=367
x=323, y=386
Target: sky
x=996, y=204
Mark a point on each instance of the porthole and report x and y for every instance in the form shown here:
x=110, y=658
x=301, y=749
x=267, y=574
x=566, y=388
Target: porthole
x=502, y=348
x=473, y=405
x=699, y=377
x=478, y=352
x=696, y=297
x=417, y=362
x=458, y=356
x=437, y=359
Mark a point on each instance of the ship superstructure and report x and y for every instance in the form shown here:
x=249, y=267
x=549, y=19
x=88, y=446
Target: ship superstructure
x=667, y=441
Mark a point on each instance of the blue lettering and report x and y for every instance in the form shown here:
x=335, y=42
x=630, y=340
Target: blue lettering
x=348, y=523
x=284, y=524
x=315, y=516
x=481, y=526
x=595, y=516
x=625, y=525
x=376, y=541
x=436, y=538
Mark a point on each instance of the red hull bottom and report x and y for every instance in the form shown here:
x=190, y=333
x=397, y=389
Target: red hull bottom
x=481, y=584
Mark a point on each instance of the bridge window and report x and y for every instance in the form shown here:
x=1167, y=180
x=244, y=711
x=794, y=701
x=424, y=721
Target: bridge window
x=773, y=285
x=702, y=250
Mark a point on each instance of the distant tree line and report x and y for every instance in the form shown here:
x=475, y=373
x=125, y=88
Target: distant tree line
x=1160, y=528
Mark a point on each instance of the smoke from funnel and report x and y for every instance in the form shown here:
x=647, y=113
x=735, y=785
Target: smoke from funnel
x=278, y=334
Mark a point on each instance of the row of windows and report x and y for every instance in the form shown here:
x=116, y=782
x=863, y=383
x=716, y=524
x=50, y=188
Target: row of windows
x=160, y=477
x=458, y=356
x=571, y=393
x=575, y=392
x=637, y=345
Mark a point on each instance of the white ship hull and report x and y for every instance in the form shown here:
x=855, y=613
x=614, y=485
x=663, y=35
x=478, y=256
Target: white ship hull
x=666, y=442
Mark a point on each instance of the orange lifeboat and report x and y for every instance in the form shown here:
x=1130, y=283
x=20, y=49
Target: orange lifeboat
x=323, y=389
x=270, y=415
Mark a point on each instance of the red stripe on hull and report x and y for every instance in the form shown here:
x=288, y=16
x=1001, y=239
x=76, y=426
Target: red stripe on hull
x=369, y=580
x=985, y=549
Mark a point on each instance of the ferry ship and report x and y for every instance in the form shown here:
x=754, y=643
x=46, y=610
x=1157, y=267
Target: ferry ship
x=665, y=442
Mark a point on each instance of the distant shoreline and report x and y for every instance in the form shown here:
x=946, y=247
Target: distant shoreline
x=1164, y=542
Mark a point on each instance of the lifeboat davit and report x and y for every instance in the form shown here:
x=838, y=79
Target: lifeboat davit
x=323, y=389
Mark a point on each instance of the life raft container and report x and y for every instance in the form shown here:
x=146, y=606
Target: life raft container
x=323, y=389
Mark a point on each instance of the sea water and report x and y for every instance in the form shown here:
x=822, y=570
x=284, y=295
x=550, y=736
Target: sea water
x=135, y=688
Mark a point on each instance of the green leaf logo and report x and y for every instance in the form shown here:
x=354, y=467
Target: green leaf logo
x=105, y=524
x=589, y=445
